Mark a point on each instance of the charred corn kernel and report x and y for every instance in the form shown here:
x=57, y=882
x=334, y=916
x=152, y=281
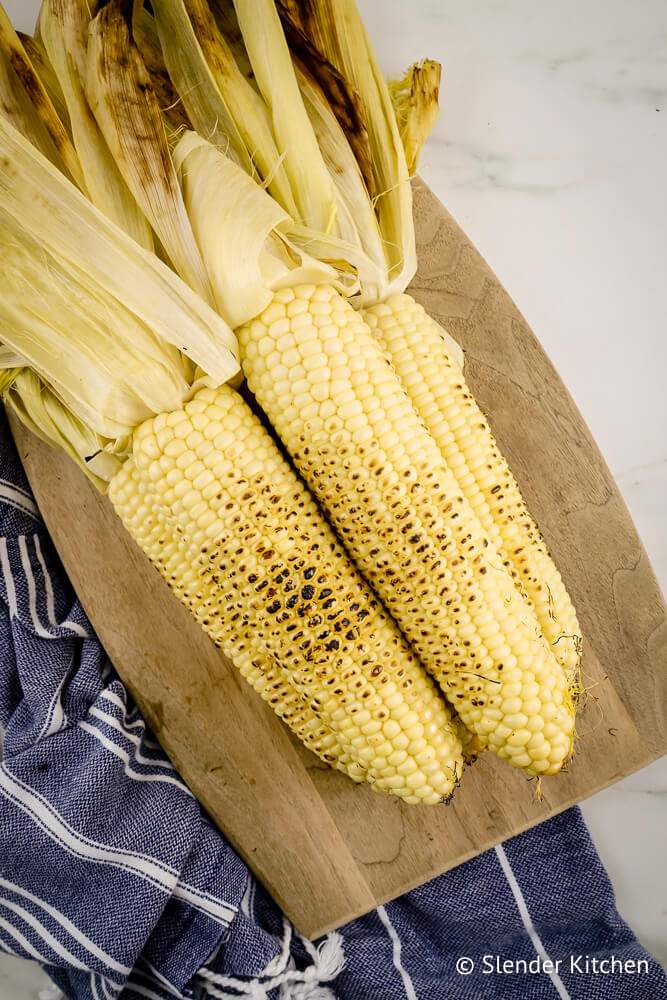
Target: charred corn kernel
x=403, y=516
x=273, y=588
x=144, y=520
x=416, y=348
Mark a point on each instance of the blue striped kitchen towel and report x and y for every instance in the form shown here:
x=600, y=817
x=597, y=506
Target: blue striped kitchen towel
x=113, y=879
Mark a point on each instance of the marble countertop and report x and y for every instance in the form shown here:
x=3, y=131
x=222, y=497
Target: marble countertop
x=551, y=152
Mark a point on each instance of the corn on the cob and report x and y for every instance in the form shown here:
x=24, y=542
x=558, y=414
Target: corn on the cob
x=153, y=530
x=336, y=402
x=414, y=345
x=260, y=568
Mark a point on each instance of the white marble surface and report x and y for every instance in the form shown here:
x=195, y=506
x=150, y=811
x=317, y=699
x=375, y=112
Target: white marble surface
x=552, y=154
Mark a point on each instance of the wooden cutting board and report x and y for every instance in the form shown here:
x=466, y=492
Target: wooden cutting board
x=326, y=849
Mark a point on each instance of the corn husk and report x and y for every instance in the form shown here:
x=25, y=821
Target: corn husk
x=194, y=81
x=357, y=223
x=415, y=101
x=39, y=408
x=121, y=96
x=88, y=271
x=39, y=118
x=249, y=111
x=63, y=30
x=147, y=40
x=46, y=73
x=228, y=25
x=15, y=107
x=337, y=32
x=220, y=103
x=205, y=68
x=10, y=363
x=350, y=240
x=341, y=97
x=311, y=184
x=242, y=233
x=109, y=367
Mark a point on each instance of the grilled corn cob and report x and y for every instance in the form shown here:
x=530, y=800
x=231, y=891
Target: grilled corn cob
x=415, y=346
x=339, y=408
x=253, y=558
x=154, y=531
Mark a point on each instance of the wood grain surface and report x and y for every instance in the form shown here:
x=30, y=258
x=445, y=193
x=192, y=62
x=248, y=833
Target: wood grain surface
x=326, y=849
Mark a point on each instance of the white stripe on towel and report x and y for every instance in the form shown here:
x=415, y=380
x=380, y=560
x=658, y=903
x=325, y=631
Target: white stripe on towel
x=9, y=494
x=42, y=932
x=9, y=578
x=125, y=757
x=135, y=723
x=41, y=811
x=50, y=601
x=23, y=942
x=25, y=494
x=81, y=939
x=93, y=988
x=527, y=921
x=408, y=985
x=116, y=700
x=108, y=995
x=55, y=716
x=111, y=721
x=212, y=907
x=164, y=983
x=32, y=590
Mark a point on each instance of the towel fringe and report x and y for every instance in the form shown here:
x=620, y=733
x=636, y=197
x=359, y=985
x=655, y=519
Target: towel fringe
x=328, y=963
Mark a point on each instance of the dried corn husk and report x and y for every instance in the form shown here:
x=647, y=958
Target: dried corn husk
x=39, y=408
x=220, y=102
x=122, y=99
x=312, y=187
x=415, y=100
x=357, y=223
x=124, y=320
x=63, y=30
x=336, y=30
x=46, y=73
x=147, y=40
x=32, y=109
x=242, y=233
x=342, y=98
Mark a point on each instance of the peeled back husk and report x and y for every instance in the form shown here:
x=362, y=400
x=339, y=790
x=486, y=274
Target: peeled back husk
x=242, y=233
x=115, y=331
x=63, y=30
x=415, y=100
x=121, y=96
x=27, y=102
x=39, y=408
x=336, y=30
